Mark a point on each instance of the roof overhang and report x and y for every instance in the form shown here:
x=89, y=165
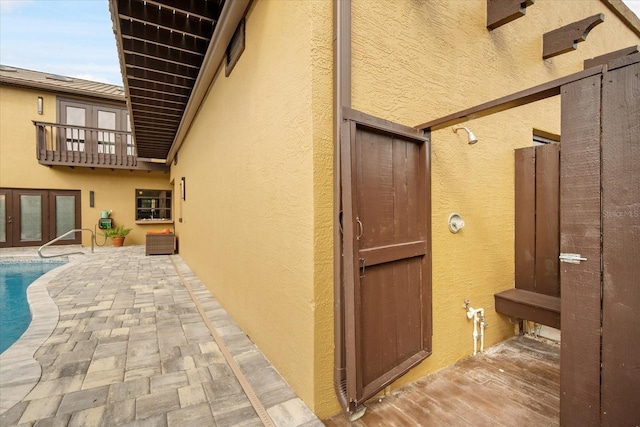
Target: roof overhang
x=169, y=53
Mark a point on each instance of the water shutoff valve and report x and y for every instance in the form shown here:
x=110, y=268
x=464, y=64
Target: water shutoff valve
x=456, y=223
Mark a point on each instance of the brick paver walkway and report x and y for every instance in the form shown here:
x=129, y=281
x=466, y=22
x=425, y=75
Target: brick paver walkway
x=130, y=348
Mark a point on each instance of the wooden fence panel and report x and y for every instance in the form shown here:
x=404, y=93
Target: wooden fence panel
x=525, y=219
x=547, y=219
x=621, y=247
x=580, y=233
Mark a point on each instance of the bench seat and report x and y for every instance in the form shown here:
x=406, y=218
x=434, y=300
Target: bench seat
x=526, y=305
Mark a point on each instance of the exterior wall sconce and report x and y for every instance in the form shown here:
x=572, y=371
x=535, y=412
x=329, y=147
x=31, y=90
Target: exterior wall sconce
x=40, y=105
x=472, y=137
x=183, y=188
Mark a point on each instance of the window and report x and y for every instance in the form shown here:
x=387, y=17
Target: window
x=235, y=48
x=153, y=205
x=104, y=117
x=543, y=138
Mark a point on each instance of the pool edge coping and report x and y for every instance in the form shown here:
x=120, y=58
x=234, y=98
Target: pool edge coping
x=19, y=371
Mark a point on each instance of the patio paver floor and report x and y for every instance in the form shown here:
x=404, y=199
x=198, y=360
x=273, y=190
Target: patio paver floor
x=130, y=348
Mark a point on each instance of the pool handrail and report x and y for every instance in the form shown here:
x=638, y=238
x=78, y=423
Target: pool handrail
x=75, y=230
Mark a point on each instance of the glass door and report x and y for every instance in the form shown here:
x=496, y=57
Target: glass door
x=34, y=217
x=30, y=225
x=5, y=218
x=64, y=215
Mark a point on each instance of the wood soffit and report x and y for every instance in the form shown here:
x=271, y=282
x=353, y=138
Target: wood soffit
x=161, y=45
x=565, y=39
x=500, y=12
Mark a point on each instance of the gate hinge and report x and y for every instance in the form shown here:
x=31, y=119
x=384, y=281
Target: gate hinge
x=571, y=258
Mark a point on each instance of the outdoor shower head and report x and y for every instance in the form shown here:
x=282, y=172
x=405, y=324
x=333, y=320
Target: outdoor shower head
x=472, y=137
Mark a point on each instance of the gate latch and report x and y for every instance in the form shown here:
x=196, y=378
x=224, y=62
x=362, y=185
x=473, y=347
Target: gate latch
x=571, y=258
x=363, y=261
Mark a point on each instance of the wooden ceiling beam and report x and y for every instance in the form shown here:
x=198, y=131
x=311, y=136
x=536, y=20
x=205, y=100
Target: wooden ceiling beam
x=209, y=8
x=190, y=12
x=137, y=90
x=165, y=18
x=565, y=39
x=171, y=73
x=161, y=36
x=140, y=54
x=155, y=99
x=500, y=12
x=150, y=131
x=157, y=107
x=149, y=79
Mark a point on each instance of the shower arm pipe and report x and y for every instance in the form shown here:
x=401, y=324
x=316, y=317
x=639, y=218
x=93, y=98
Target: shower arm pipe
x=93, y=238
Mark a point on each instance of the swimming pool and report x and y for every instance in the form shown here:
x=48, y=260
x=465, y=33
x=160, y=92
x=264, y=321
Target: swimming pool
x=15, y=278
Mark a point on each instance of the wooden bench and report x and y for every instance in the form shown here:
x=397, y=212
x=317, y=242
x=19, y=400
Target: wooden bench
x=536, y=296
x=526, y=305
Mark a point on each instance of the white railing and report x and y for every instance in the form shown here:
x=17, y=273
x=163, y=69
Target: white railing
x=93, y=239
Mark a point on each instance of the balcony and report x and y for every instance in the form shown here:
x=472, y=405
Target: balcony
x=80, y=146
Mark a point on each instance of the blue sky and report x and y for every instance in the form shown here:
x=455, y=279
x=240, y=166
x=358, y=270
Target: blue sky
x=72, y=38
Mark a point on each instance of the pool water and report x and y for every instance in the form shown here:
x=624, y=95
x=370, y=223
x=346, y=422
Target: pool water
x=15, y=315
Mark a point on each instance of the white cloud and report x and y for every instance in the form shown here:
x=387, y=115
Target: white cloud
x=7, y=6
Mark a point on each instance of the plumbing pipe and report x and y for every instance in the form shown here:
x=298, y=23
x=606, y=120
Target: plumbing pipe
x=477, y=314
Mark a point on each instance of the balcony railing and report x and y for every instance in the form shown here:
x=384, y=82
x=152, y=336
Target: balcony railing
x=69, y=145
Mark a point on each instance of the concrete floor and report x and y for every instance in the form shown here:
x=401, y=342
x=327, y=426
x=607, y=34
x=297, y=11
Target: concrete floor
x=118, y=340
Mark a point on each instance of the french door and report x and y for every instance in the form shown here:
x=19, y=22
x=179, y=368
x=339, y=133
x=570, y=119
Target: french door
x=32, y=217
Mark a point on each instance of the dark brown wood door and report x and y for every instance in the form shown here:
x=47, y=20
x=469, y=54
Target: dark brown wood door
x=386, y=203
x=32, y=217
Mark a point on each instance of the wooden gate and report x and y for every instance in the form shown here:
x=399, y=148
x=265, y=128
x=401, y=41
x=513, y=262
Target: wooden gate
x=599, y=236
x=600, y=222
x=387, y=260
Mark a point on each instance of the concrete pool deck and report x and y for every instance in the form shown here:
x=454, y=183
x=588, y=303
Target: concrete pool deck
x=130, y=347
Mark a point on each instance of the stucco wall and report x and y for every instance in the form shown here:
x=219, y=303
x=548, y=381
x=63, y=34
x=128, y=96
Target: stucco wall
x=257, y=219
x=19, y=167
x=414, y=61
x=256, y=160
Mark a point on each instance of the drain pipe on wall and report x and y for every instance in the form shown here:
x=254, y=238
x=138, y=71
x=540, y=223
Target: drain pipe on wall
x=341, y=98
x=477, y=314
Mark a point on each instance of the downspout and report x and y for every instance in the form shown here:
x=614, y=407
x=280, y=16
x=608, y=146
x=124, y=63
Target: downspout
x=342, y=98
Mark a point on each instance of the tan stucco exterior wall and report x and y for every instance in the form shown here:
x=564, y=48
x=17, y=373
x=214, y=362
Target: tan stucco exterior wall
x=256, y=222
x=19, y=167
x=417, y=61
